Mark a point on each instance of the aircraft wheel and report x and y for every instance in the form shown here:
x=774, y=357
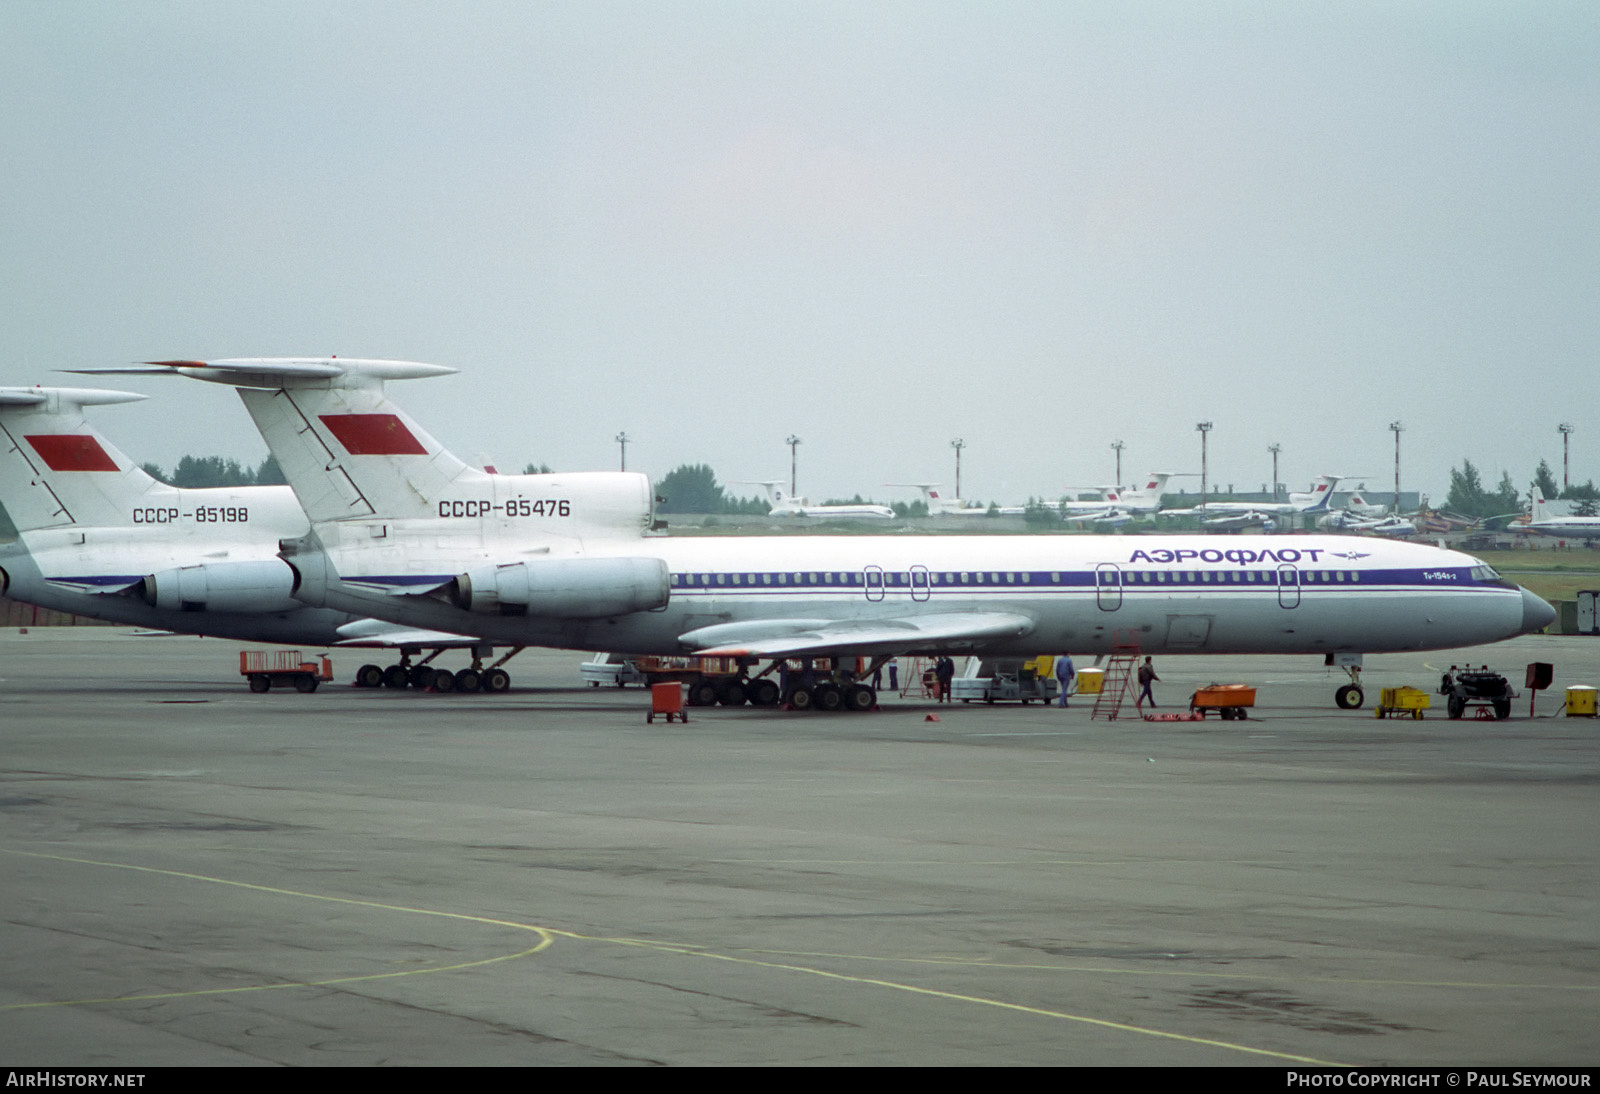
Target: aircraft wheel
x=1349, y=697
x=800, y=699
x=496, y=681
x=702, y=693
x=306, y=683
x=859, y=697
x=369, y=676
x=468, y=680
x=730, y=692
x=762, y=693
x=828, y=697
x=260, y=683
x=420, y=676
x=396, y=676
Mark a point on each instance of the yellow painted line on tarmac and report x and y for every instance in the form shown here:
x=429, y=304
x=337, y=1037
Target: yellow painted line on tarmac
x=547, y=936
x=960, y=997
x=1190, y=973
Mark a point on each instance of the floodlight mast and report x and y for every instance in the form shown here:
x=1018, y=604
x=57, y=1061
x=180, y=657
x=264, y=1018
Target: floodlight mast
x=1398, y=428
x=794, y=462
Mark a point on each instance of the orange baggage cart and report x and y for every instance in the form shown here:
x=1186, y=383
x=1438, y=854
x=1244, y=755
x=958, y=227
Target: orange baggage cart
x=666, y=699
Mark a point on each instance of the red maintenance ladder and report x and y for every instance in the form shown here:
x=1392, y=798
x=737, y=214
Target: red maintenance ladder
x=1118, y=681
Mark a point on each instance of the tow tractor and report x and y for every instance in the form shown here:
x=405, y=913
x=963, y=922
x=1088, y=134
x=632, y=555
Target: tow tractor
x=1478, y=688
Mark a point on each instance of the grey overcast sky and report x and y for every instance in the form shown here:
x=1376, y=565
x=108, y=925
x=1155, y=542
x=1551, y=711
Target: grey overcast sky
x=1040, y=227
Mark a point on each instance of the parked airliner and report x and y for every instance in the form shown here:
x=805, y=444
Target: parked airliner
x=403, y=530
x=1546, y=523
x=1226, y=513
x=97, y=536
x=788, y=505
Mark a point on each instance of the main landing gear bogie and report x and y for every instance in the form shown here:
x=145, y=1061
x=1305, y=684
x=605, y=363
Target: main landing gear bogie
x=493, y=680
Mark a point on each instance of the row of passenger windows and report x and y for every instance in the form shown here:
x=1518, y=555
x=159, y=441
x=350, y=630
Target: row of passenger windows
x=1105, y=578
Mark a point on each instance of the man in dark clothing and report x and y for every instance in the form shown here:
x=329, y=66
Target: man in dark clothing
x=1147, y=676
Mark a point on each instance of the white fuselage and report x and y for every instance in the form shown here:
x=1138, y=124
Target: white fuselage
x=195, y=561
x=1305, y=594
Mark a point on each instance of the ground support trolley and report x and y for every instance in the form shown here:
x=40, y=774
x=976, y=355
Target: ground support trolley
x=666, y=700
x=1226, y=701
x=264, y=668
x=1402, y=702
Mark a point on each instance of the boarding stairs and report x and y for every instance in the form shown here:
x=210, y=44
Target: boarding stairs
x=1118, y=682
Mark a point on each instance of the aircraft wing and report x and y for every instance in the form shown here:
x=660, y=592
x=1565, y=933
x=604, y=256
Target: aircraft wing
x=816, y=638
x=375, y=632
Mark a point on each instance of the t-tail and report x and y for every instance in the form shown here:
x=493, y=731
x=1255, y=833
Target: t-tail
x=352, y=454
x=1317, y=501
x=57, y=470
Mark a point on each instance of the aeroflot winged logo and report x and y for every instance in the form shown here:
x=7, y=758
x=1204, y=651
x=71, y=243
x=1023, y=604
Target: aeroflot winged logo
x=373, y=435
x=71, y=452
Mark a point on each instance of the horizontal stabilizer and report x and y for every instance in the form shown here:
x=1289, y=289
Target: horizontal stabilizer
x=280, y=371
x=77, y=396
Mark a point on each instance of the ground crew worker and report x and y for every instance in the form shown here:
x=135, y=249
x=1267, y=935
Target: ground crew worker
x=1147, y=676
x=1064, y=676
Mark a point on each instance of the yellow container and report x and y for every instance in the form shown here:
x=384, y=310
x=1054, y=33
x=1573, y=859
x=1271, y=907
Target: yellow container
x=1405, y=699
x=1581, y=701
x=1043, y=666
x=1091, y=681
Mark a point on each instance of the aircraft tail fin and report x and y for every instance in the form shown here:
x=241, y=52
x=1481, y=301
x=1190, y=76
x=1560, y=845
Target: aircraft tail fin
x=57, y=470
x=780, y=501
x=1540, y=507
x=1321, y=495
x=349, y=452
x=345, y=448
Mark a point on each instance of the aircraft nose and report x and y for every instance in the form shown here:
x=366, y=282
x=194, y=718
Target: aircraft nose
x=1536, y=613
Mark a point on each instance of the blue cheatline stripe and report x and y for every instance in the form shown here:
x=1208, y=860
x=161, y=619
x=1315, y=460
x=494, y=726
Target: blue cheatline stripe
x=1045, y=580
x=99, y=579
x=398, y=579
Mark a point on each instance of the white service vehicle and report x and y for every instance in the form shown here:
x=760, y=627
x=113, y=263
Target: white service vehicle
x=612, y=670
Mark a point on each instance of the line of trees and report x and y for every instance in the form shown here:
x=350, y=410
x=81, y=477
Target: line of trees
x=207, y=471
x=1471, y=498
x=693, y=488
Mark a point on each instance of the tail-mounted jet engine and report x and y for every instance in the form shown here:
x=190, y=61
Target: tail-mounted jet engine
x=259, y=586
x=570, y=588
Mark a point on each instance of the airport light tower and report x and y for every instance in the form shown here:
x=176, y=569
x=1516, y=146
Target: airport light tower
x=958, y=444
x=1398, y=428
x=1116, y=446
x=1204, y=429
x=1274, y=449
x=1565, y=429
x=794, y=462
x=622, y=439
